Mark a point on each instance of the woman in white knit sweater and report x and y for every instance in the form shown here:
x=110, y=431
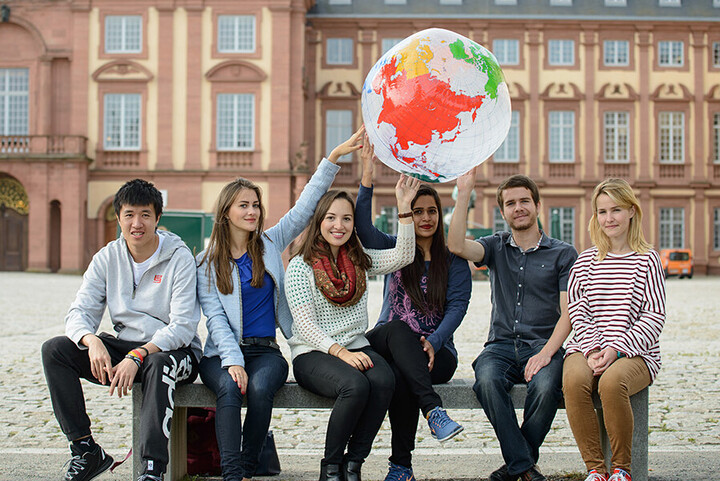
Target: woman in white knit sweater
x=325, y=285
x=616, y=297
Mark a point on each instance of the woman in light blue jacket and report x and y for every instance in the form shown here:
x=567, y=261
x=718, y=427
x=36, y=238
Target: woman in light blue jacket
x=241, y=291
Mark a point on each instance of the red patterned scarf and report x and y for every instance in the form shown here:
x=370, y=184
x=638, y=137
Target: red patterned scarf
x=341, y=281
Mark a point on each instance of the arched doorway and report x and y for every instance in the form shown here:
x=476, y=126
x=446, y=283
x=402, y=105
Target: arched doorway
x=55, y=235
x=110, y=230
x=14, y=208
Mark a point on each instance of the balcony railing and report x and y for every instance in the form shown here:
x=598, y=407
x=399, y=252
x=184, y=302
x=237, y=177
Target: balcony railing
x=42, y=145
x=672, y=171
x=234, y=159
x=561, y=170
x=503, y=169
x=618, y=171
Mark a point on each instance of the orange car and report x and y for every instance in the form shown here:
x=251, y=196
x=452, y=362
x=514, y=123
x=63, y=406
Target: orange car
x=677, y=262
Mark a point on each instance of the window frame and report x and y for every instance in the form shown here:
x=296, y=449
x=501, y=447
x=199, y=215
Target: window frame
x=236, y=34
x=507, y=42
x=716, y=229
x=628, y=136
x=236, y=96
x=672, y=128
x=325, y=55
x=561, y=42
x=669, y=64
x=515, y=123
x=665, y=224
x=8, y=94
x=124, y=147
x=615, y=63
x=118, y=12
x=340, y=136
x=552, y=128
x=564, y=222
x=715, y=136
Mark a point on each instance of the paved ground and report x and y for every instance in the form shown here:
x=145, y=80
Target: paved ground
x=684, y=411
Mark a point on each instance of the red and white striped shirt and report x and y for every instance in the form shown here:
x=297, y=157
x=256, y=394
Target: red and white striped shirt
x=618, y=302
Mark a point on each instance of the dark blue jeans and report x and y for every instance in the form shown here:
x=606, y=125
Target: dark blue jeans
x=498, y=368
x=240, y=446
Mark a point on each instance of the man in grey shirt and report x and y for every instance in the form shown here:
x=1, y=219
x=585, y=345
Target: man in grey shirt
x=529, y=322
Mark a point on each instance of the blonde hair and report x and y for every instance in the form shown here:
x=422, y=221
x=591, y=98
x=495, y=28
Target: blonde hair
x=622, y=194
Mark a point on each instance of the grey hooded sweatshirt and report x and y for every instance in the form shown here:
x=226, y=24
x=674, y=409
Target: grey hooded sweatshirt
x=163, y=309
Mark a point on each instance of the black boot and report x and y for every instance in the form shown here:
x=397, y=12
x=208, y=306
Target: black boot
x=352, y=470
x=331, y=472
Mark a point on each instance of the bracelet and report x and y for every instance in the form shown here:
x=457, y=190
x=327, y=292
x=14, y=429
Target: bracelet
x=405, y=215
x=620, y=354
x=135, y=354
x=147, y=353
x=136, y=360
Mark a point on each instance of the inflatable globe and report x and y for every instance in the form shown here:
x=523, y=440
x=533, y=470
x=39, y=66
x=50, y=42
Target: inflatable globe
x=436, y=105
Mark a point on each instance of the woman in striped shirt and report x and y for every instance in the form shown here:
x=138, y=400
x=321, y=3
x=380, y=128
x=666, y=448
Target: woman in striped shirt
x=616, y=297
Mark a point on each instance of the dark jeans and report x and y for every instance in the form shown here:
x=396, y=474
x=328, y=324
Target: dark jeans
x=361, y=400
x=65, y=364
x=498, y=368
x=240, y=445
x=401, y=347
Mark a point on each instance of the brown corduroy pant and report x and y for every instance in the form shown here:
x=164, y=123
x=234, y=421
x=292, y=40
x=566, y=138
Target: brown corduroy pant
x=622, y=379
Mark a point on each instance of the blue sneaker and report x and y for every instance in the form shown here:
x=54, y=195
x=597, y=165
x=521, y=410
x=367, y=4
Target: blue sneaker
x=442, y=427
x=399, y=473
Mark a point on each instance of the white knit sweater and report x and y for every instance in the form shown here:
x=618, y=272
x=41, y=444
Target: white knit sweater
x=317, y=322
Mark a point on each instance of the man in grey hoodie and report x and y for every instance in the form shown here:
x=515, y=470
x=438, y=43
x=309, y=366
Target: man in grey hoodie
x=147, y=281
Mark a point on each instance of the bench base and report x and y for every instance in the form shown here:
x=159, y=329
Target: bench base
x=457, y=394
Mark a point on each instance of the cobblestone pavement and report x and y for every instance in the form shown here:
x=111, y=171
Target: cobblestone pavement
x=684, y=401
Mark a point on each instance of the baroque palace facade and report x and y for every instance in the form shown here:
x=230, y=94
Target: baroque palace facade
x=191, y=93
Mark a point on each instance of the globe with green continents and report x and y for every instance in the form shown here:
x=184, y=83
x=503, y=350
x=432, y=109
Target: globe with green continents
x=436, y=105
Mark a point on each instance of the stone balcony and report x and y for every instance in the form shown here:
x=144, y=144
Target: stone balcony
x=42, y=146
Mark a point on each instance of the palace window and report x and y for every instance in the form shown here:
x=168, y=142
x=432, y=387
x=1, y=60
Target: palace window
x=235, y=122
x=672, y=137
x=14, y=100
x=236, y=33
x=123, y=34
x=617, y=127
x=562, y=136
x=122, y=121
x=672, y=228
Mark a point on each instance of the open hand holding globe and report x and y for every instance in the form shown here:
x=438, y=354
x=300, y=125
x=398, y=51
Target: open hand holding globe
x=436, y=105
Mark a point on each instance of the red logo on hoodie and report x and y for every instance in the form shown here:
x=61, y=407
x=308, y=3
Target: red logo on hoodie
x=157, y=279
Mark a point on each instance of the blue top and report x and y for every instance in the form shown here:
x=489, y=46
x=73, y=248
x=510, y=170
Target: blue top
x=258, y=308
x=224, y=312
x=457, y=295
x=525, y=287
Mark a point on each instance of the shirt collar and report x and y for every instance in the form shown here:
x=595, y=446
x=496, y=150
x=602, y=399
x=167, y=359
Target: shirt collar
x=542, y=241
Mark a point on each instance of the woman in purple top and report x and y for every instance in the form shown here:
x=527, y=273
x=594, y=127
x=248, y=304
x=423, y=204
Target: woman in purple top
x=416, y=325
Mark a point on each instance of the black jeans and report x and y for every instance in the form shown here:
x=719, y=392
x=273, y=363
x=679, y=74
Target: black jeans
x=65, y=364
x=401, y=347
x=361, y=400
x=240, y=444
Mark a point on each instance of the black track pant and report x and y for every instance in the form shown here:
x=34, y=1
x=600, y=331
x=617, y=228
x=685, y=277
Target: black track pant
x=65, y=364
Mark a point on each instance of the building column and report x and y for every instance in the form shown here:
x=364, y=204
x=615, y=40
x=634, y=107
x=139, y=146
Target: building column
x=193, y=157
x=644, y=115
x=589, y=167
x=165, y=88
x=45, y=97
x=534, y=113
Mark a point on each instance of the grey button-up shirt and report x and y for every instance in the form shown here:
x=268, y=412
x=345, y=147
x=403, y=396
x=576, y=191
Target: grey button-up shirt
x=525, y=286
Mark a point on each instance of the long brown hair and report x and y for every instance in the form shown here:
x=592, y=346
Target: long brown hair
x=218, y=253
x=622, y=194
x=438, y=271
x=314, y=246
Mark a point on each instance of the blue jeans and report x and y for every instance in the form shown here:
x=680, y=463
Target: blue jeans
x=267, y=372
x=498, y=368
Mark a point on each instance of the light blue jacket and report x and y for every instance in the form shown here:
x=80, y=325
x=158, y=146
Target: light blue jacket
x=224, y=311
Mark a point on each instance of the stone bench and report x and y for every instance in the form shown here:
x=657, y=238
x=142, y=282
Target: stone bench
x=457, y=394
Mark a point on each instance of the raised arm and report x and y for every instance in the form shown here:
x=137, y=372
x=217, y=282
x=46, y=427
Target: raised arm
x=457, y=243
x=293, y=223
x=368, y=234
x=390, y=260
